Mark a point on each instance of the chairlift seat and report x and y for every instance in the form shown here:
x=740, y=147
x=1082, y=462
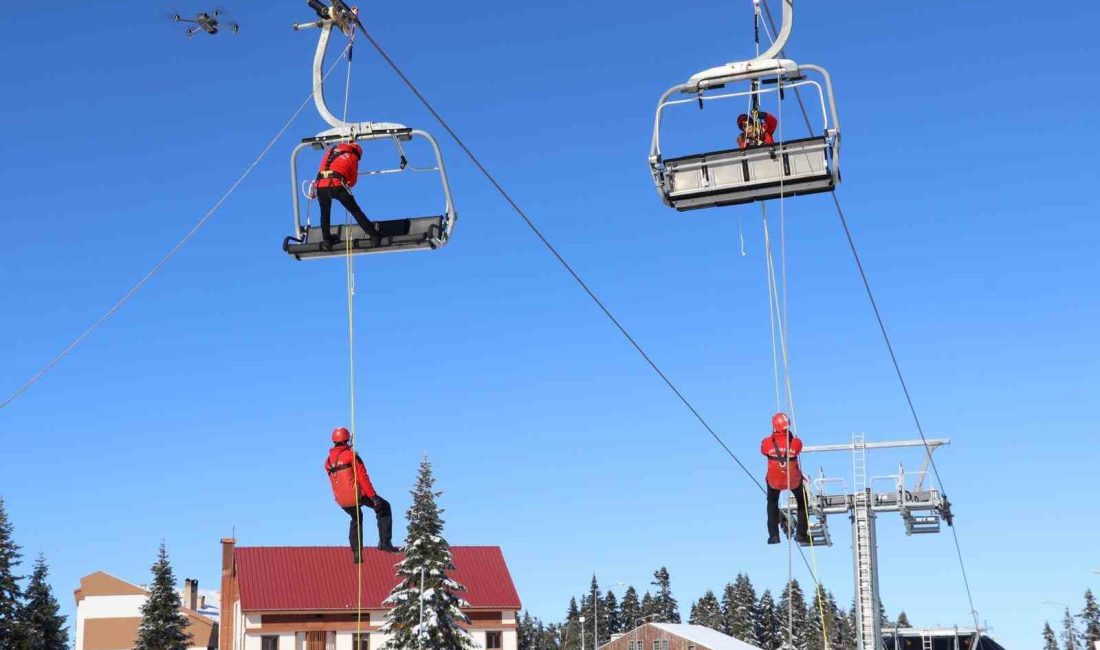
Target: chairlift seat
x=397, y=235
x=736, y=176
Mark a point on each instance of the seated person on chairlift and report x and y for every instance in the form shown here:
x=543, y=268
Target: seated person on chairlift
x=782, y=449
x=756, y=132
x=338, y=173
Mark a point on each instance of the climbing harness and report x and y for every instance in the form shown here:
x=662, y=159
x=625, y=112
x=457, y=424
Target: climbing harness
x=756, y=173
x=394, y=235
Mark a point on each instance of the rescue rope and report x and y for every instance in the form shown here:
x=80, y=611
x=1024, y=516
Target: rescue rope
x=171, y=253
x=893, y=358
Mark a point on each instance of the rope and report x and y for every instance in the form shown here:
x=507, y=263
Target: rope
x=893, y=358
x=164, y=260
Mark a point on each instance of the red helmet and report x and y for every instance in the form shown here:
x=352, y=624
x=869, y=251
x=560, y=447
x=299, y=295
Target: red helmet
x=340, y=434
x=780, y=423
x=742, y=120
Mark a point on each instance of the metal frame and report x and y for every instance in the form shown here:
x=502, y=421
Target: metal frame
x=343, y=131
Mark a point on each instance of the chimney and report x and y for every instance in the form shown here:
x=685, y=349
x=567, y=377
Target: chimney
x=202, y=602
x=228, y=622
x=190, y=593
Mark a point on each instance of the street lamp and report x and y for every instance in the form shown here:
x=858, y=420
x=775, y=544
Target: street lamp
x=581, y=619
x=1072, y=638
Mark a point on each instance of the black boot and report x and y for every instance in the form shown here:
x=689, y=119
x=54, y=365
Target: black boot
x=328, y=241
x=773, y=538
x=356, y=557
x=385, y=535
x=802, y=538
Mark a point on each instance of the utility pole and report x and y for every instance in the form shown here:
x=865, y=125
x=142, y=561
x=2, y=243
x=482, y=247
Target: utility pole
x=921, y=511
x=581, y=619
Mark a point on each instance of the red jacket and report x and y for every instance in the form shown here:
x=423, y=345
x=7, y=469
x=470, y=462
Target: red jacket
x=343, y=163
x=775, y=448
x=768, y=126
x=340, y=465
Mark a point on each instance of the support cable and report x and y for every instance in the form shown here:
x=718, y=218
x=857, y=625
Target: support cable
x=167, y=257
x=893, y=359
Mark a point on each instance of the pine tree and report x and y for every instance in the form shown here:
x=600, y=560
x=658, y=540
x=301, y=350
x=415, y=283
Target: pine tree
x=630, y=610
x=842, y=636
x=664, y=605
x=649, y=607
x=571, y=630
x=527, y=632
x=163, y=625
x=609, y=609
x=43, y=628
x=791, y=612
x=739, y=609
x=1090, y=618
x=707, y=611
x=1050, y=642
x=768, y=636
x=10, y=594
x=427, y=562
x=903, y=620
x=1071, y=638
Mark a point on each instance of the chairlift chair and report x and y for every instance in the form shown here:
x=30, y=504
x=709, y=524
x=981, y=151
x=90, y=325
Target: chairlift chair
x=758, y=173
x=396, y=235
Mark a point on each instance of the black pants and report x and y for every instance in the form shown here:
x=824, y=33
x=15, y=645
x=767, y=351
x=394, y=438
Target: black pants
x=773, y=510
x=325, y=195
x=355, y=528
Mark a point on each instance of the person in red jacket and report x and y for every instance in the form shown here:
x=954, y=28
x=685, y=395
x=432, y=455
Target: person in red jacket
x=339, y=171
x=758, y=131
x=782, y=449
x=352, y=489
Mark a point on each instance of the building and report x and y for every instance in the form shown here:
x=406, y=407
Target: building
x=304, y=597
x=669, y=636
x=108, y=613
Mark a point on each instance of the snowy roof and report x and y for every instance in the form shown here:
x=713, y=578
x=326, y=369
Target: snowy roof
x=712, y=639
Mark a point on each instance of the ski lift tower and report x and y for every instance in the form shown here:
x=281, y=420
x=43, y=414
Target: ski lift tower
x=921, y=509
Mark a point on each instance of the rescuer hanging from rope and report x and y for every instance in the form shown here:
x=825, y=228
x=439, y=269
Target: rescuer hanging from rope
x=338, y=172
x=756, y=131
x=352, y=489
x=782, y=449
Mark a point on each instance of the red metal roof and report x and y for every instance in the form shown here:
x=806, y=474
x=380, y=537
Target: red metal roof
x=312, y=578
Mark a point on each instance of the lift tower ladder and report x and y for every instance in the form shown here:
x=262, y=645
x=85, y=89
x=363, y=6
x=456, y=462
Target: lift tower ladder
x=921, y=510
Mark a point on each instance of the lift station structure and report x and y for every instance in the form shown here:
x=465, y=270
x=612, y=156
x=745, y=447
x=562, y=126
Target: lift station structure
x=922, y=509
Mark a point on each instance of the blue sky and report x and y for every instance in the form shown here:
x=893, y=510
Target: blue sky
x=205, y=405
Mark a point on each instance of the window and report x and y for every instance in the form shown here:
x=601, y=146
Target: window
x=691, y=647
x=494, y=640
x=269, y=642
x=316, y=640
x=361, y=641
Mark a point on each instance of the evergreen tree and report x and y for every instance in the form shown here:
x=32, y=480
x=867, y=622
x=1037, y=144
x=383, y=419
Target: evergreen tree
x=825, y=623
x=163, y=625
x=664, y=605
x=903, y=620
x=43, y=628
x=791, y=612
x=427, y=562
x=768, y=635
x=707, y=611
x=527, y=633
x=630, y=610
x=844, y=637
x=648, y=607
x=571, y=630
x=610, y=605
x=739, y=610
x=1050, y=642
x=1090, y=618
x=10, y=594
x=550, y=637
x=1071, y=638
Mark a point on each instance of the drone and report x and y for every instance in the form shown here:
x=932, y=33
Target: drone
x=207, y=22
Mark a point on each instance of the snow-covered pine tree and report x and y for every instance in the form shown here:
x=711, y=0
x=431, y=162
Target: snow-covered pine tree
x=841, y=636
x=630, y=610
x=426, y=618
x=1050, y=642
x=10, y=593
x=1090, y=618
x=43, y=628
x=740, y=609
x=768, y=633
x=903, y=620
x=664, y=605
x=163, y=625
x=609, y=609
x=648, y=607
x=1071, y=638
x=824, y=623
x=707, y=611
x=791, y=614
